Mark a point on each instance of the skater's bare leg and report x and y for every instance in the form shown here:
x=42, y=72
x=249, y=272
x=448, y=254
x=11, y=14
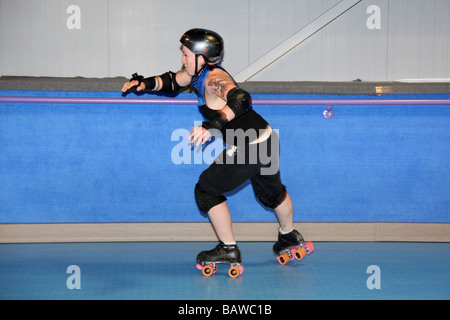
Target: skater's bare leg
x=220, y=218
x=288, y=236
x=285, y=214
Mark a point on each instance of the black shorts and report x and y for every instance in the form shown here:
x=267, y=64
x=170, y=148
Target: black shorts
x=234, y=166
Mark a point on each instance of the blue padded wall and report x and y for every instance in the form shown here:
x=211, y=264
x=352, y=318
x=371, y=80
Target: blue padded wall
x=67, y=163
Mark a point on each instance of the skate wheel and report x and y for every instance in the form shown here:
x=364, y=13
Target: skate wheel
x=241, y=269
x=309, y=247
x=293, y=252
x=283, y=258
x=199, y=266
x=234, y=272
x=300, y=254
x=208, y=271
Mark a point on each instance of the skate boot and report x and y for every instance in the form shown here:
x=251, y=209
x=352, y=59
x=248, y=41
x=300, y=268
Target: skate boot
x=207, y=260
x=291, y=246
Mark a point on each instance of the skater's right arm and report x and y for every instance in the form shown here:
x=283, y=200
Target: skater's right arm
x=168, y=82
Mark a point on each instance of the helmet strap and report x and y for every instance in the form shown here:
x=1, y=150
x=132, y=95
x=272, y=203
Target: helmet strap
x=197, y=72
x=196, y=65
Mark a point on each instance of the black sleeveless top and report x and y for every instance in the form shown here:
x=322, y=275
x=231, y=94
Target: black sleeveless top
x=249, y=120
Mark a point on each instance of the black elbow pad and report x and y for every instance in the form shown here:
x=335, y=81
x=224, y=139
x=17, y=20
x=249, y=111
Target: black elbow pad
x=169, y=82
x=239, y=101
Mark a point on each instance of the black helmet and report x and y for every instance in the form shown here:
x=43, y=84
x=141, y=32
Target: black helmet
x=204, y=42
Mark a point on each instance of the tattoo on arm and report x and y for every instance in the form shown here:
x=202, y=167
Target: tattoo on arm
x=220, y=86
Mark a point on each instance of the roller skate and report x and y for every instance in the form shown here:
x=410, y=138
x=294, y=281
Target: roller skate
x=207, y=260
x=291, y=246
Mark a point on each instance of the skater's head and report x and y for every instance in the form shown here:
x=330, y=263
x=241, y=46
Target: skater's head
x=200, y=47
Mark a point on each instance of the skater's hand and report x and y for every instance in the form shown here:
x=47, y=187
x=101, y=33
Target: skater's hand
x=199, y=135
x=134, y=83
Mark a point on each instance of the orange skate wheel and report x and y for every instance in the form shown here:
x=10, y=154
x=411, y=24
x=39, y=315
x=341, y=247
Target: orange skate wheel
x=283, y=258
x=208, y=270
x=234, y=272
x=300, y=254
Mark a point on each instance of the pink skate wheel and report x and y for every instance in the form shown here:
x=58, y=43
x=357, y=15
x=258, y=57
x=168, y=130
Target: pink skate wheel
x=241, y=269
x=293, y=251
x=309, y=247
x=199, y=266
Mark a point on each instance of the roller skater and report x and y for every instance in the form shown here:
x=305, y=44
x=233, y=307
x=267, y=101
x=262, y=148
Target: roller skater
x=252, y=152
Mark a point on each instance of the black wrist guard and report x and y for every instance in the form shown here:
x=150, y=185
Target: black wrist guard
x=217, y=123
x=137, y=77
x=150, y=84
x=169, y=83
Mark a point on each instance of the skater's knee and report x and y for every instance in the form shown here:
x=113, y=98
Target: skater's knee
x=272, y=200
x=206, y=200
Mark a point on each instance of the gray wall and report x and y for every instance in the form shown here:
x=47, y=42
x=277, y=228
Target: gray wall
x=411, y=38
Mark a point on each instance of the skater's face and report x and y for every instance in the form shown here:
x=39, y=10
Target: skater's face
x=188, y=61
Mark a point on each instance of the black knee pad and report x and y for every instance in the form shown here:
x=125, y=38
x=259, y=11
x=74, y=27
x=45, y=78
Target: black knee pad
x=273, y=201
x=205, y=200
